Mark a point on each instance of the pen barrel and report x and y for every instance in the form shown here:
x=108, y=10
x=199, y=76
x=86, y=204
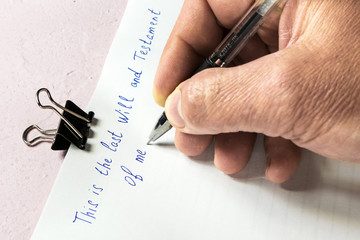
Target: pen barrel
x=242, y=32
x=206, y=64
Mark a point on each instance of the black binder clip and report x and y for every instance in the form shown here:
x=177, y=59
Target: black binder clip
x=74, y=126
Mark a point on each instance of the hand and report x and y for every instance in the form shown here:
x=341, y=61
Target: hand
x=297, y=81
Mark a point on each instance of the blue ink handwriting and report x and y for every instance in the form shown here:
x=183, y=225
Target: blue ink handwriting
x=136, y=79
x=123, y=111
x=104, y=168
x=130, y=179
x=140, y=157
x=115, y=141
x=88, y=215
x=146, y=44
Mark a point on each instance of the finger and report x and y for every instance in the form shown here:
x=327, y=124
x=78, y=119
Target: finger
x=251, y=98
x=228, y=15
x=229, y=12
x=283, y=158
x=254, y=49
x=269, y=31
x=192, y=145
x=197, y=32
x=194, y=36
x=232, y=151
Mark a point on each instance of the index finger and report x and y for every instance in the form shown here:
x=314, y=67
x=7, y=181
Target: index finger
x=198, y=30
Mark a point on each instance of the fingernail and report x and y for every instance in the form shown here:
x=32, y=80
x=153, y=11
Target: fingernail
x=173, y=109
x=159, y=98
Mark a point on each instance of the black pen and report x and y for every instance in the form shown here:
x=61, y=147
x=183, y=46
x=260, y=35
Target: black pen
x=227, y=50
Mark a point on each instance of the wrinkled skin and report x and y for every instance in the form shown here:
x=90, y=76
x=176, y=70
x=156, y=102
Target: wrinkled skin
x=297, y=82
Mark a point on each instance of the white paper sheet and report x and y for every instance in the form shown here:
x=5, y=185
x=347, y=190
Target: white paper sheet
x=124, y=189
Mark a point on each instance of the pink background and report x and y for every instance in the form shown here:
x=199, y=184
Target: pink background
x=60, y=45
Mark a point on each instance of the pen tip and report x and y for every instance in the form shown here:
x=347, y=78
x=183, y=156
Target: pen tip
x=148, y=143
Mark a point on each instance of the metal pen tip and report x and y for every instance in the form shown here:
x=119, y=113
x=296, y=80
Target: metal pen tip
x=161, y=127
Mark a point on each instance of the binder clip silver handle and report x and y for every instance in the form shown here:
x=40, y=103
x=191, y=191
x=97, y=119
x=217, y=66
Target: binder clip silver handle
x=57, y=112
x=48, y=135
x=73, y=128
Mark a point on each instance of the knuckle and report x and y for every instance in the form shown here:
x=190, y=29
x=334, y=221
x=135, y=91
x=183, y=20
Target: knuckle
x=319, y=97
x=206, y=101
x=193, y=102
x=276, y=106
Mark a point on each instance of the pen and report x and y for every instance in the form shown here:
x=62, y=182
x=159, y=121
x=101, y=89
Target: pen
x=227, y=49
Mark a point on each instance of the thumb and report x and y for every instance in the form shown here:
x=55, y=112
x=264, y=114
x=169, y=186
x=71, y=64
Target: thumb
x=250, y=97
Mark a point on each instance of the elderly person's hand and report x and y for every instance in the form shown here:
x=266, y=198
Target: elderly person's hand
x=297, y=81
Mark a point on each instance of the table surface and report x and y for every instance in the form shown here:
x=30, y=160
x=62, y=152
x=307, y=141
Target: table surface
x=60, y=45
